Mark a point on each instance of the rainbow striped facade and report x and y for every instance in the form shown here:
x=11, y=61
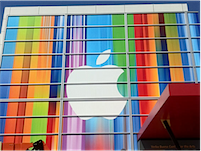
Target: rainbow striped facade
x=31, y=68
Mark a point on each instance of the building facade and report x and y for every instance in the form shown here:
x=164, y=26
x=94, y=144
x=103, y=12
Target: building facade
x=86, y=77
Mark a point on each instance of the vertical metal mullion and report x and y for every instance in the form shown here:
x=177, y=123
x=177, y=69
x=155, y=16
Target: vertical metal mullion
x=128, y=81
x=3, y=38
x=62, y=83
x=83, y=47
x=71, y=42
x=191, y=47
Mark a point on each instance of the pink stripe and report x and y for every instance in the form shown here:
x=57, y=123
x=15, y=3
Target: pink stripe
x=74, y=125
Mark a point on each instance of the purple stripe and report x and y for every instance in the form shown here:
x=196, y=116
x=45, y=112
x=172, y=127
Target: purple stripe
x=74, y=125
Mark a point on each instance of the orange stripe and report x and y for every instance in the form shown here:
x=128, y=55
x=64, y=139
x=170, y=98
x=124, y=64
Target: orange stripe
x=28, y=122
x=10, y=123
x=150, y=60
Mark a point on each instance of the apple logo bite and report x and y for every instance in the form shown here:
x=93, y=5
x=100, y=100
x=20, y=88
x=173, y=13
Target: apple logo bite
x=88, y=89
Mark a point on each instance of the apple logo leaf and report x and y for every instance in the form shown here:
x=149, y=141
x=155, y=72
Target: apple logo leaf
x=103, y=57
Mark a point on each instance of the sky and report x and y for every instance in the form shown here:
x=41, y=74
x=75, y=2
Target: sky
x=193, y=5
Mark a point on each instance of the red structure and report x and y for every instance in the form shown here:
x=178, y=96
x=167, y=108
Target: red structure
x=179, y=105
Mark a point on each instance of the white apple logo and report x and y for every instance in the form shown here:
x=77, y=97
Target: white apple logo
x=95, y=90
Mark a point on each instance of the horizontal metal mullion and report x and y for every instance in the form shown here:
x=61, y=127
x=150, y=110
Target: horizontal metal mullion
x=192, y=11
x=39, y=40
x=27, y=134
x=95, y=83
x=194, y=24
x=16, y=117
x=158, y=82
x=95, y=99
x=24, y=84
x=111, y=39
x=95, y=53
x=95, y=26
x=77, y=99
x=195, y=37
x=144, y=98
x=98, y=133
x=34, y=54
x=11, y=69
x=124, y=115
x=111, y=99
x=139, y=52
x=31, y=100
x=147, y=67
x=157, y=52
x=158, y=38
x=137, y=82
x=129, y=25
x=32, y=27
x=96, y=68
x=69, y=116
x=141, y=25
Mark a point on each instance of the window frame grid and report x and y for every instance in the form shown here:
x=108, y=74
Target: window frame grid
x=128, y=67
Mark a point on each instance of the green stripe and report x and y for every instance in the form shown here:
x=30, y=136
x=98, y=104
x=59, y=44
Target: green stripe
x=39, y=125
x=119, y=46
x=131, y=44
x=171, y=31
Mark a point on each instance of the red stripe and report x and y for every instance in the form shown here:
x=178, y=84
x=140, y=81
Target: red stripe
x=50, y=123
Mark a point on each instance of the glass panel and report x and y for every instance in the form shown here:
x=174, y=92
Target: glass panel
x=144, y=108
x=94, y=20
x=96, y=90
x=142, y=89
x=96, y=142
x=158, y=45
x=96, y=33
x=34, y=34
x=162, y=74
x=197, y=59
x=195, y=30
x=97, y=75
x=105, y=33
x=31, y=62
x=87, y=109
x=196, y=44
x=156, y=31
x=31, y=76
x=30, y=125
x=193, y=18
x=75, y=20
x=30, y=109
x=96, y=60
x=34, y=92
x=198, y=73
x=92, y=124
x=32, y=47
x=95, y=46
x=162, y=18
x=50, y=142
x=27, y=21
x=168, y=59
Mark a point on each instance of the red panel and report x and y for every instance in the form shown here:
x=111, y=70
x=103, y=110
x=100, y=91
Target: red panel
x=180, y=104
x=7, y=146
x=50, y=123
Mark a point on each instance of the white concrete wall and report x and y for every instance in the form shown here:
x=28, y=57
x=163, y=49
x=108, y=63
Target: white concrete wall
x=96, y=9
